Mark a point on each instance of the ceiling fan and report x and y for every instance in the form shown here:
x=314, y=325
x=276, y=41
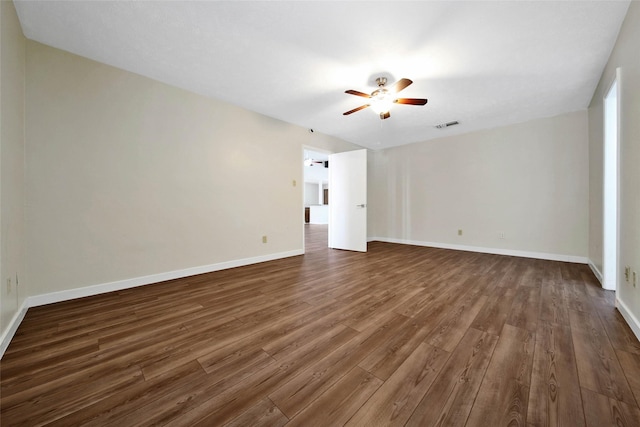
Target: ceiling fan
x=311, y=162
x=382, y=98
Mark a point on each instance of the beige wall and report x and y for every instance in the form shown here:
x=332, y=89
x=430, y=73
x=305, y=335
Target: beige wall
x=128, y=177
x=626, y=56
x=529, y=181
x=12, y=142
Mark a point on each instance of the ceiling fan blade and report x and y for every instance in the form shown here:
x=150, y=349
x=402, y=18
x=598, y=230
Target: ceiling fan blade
x=362, y=107
x=355, y=92
x=400, y=84
x=385, y=115
x=411, y=101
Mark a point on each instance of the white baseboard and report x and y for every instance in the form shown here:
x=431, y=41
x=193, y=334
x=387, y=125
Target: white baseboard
x=495, y=251
x=8, y=334
x=53, y=297
x=632, y=321
x=86, y=291
x=598, y=274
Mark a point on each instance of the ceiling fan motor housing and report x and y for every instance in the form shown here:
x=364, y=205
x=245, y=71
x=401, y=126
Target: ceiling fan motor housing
x=381, y=81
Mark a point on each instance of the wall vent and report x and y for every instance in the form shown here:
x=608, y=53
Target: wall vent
x=446, y=125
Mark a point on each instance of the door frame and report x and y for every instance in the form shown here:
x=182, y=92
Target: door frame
x=611, y=183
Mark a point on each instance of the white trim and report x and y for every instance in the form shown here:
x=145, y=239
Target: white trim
x=86, y=291
x=632, y=321
x=611, y=208
x=495, y=251
x=13, y=327
x=597, y=273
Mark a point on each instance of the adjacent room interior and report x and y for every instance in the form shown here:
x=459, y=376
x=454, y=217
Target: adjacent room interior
x=166, y=206
x=316, y=187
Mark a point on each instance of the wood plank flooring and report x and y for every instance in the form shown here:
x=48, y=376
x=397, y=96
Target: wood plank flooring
x=400, y=335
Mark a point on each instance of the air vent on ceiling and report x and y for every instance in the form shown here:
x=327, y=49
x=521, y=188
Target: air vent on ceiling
x=446, y=125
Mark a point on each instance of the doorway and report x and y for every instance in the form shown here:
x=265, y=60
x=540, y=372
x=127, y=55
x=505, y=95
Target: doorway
x=346, y=185
x=316, y=197
x=610, y=242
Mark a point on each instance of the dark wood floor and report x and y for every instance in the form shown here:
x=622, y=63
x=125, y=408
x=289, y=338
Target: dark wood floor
x=401, y=335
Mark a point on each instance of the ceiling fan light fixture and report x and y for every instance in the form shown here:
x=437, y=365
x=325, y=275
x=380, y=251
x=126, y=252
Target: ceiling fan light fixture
x=381, y=101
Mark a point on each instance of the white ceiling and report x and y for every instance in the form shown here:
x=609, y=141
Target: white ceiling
x=485, y=64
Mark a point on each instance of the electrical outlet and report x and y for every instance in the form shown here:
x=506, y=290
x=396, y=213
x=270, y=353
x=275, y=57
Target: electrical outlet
x=627, y=269
x=264, y=239
x=501, y=235
x=9, y=287
x=459, y=232
x=294, y=183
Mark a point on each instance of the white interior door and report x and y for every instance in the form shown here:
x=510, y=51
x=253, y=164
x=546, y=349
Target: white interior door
x=348, y=200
